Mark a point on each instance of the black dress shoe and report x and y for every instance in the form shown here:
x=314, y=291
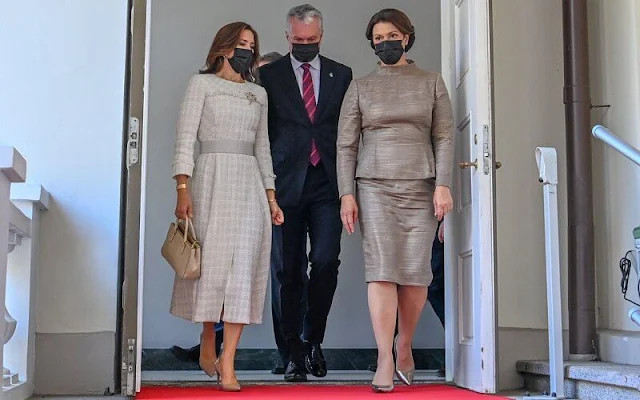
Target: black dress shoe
x=295, y=372
x=193, y=354
x=186, y=355
x=315, y=362
x=279, y=368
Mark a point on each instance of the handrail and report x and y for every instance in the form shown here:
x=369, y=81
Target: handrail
x=624, y=148
x=633, y=154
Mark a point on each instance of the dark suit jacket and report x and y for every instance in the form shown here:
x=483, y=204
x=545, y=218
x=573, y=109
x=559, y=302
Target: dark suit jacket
x=291, y=130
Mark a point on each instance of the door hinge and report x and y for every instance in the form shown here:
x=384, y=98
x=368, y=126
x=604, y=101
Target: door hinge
x=486, y=153
x=123, y=293
x=128, y=369
x=133, y=142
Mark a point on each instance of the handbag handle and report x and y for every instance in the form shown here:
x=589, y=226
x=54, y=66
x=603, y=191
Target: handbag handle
x=188, y=229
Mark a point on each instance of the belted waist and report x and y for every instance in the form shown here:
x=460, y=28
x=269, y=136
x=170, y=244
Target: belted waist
x=228, y=146
x=385, y=137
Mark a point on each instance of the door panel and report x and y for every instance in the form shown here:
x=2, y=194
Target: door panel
x=469, y=228
x=129, y=379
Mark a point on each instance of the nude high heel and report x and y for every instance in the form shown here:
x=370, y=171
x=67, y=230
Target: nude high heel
x=234, y=387
x=405, y=377
x=207, y=365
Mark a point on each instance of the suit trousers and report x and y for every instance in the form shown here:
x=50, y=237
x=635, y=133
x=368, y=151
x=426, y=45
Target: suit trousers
x=436, y=289
x=318, y=215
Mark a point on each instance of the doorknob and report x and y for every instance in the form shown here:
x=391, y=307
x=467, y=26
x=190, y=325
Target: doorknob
x=498, y=164
x=468, y=164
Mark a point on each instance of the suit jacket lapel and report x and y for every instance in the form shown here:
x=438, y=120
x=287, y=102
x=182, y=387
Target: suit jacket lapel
x=326, y=87
x=292, y=89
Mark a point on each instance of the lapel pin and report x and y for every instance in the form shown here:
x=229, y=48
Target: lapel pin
x=330, y=74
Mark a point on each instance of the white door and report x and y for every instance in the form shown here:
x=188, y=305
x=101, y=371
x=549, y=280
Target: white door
x=469, y=229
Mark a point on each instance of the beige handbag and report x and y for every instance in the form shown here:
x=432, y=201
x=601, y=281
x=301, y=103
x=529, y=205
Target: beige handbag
x=182, y=250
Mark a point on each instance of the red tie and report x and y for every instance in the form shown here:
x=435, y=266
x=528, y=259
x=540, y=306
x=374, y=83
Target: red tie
x=309, y=98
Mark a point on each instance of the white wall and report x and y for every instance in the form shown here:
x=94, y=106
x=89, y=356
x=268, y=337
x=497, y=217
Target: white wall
x=181, y=34
x=62, y=80
x=4, y=236
x=62, y=77
x=615, y=80
x=529, y=112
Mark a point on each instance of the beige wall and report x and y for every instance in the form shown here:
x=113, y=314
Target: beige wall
x=529, y=113
x=615, y=73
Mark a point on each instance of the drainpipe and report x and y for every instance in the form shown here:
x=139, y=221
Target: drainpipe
x=577, y=100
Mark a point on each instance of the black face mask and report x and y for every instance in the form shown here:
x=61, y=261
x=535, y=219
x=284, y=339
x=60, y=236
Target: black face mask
x=305, y=52
x=390, y=51
x=241, y=60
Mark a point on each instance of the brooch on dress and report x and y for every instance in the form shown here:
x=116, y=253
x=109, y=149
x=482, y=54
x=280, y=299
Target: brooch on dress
x=251, y=97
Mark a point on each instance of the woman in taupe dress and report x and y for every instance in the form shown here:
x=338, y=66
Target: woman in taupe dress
x=233, y=196
x=401, y=176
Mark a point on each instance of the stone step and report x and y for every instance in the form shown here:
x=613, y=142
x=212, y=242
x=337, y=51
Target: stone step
x=586, y=380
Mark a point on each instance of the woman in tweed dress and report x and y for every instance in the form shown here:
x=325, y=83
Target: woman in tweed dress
x=403, y=174
x=232, y=187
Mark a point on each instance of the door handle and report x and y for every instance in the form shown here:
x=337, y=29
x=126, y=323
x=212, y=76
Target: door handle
x=468, y=164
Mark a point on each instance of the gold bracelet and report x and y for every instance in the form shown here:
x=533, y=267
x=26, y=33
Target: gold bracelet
x=273, y=201
x=181, y=186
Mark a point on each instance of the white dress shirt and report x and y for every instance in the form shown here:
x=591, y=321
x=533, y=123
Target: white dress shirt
x=314, y=70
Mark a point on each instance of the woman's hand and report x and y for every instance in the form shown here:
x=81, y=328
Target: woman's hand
x=184, y=207
x=277, y=216
x=349, y=212
x=442, y=201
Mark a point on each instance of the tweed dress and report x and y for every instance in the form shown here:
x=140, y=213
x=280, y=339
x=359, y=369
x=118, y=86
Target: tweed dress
x=231, y=212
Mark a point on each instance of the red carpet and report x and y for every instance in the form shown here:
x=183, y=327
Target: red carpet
x=312, y=392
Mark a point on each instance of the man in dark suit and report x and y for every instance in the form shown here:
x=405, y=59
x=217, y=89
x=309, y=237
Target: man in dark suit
x=305, y=92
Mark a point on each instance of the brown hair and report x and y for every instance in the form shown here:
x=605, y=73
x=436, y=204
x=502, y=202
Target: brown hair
x=225, y=41
x=396, y=17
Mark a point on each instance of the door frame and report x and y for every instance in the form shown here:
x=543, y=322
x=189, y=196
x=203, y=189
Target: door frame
x=131, y=280
x=129, y=318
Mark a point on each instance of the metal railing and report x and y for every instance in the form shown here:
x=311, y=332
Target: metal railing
x=547, y=160
x=624, y=148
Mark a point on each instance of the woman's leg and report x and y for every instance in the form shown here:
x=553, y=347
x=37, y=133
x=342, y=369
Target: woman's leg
x=208, y=348
x=383, y=307
x=232, y=334
x=411, y=300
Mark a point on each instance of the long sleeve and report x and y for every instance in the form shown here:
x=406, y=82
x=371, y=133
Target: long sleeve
x=262, y=149
x=188, y=124
x=442, y=135
x=349, y=131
